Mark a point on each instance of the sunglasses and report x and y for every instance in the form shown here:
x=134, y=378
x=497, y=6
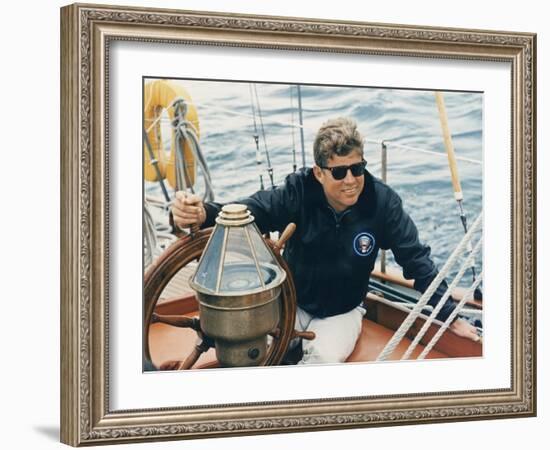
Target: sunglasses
x=340, y=172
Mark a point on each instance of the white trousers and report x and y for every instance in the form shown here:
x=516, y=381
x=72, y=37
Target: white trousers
x=335, y=336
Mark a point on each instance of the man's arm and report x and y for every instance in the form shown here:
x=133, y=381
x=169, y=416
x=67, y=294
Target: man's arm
x=272, y=209
x=401, y=236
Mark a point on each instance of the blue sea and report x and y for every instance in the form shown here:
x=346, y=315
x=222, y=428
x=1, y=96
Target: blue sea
x=406, y=119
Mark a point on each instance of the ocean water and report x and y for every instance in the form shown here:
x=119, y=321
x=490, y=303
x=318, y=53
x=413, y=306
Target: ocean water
x=398, y=116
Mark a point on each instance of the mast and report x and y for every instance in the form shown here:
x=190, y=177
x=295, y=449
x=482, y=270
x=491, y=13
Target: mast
x=455, y=178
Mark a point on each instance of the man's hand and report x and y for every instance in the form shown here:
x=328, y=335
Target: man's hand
x=187, y=210
x=464, y=329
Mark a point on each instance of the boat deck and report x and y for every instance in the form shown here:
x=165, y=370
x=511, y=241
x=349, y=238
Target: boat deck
x=172, y=343
x=167, y=342
x=178, y=286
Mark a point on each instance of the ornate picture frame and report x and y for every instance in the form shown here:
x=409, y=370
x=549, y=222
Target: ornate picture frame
x=87, y=35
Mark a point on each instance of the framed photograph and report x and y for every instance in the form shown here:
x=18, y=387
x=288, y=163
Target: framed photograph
x=191, y=140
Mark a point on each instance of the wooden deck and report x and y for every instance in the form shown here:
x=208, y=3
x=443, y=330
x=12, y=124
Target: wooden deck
x=178, y=286
x=171, y=343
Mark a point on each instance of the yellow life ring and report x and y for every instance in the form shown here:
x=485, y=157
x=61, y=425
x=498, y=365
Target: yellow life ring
x=159, y=95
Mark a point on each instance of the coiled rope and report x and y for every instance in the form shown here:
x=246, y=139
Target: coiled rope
x=186, y=132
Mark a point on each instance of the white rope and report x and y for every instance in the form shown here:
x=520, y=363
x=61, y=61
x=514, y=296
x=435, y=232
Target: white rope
x=469, y=312
x=472, y=313
x=231, y=111
x=149, y=234
x=194, y=123
x=154, y=201
x=421, y=150
x=296, y=125
x=450, y=319
x=407, y=323
x=167, y=119
x=157, y=235
x=435, y=312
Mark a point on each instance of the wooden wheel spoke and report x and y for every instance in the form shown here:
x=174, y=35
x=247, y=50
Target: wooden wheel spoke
x=201, y=347
x=307, y=335
x=276, y=333
x=177, y=321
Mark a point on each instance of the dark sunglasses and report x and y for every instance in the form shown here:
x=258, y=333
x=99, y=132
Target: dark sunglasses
x=340, y=172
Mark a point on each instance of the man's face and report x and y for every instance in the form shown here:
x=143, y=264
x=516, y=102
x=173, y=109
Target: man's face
x=341, y=194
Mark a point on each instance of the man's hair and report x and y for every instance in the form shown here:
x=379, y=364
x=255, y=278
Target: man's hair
x=336, y=137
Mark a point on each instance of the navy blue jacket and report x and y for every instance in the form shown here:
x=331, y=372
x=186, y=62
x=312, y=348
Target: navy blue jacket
x=331, y=256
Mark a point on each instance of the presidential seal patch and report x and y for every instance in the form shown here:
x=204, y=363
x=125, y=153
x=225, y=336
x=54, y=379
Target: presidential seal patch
x=363, y=244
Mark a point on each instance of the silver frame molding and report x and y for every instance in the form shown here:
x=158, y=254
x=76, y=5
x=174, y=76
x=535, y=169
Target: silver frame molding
x=86, y=34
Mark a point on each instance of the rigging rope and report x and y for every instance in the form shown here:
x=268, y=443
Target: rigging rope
x=408, y=322
x=442, y=301
x=149, y=235
x=301, y=126
x=420, y=150
x=300, y=109
x=256, y=139
x=450, y=319
x=293, y=129
x=183, y=179
x=453, y=168
x=269, y=166
x=154, y=162
x=229, y=111
x=157, y=235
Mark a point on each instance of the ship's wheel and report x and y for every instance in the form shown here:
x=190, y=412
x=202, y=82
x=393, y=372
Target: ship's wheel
x=183, y=252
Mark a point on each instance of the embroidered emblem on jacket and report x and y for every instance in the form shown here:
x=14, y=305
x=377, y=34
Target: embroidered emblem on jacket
x=363, y=244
